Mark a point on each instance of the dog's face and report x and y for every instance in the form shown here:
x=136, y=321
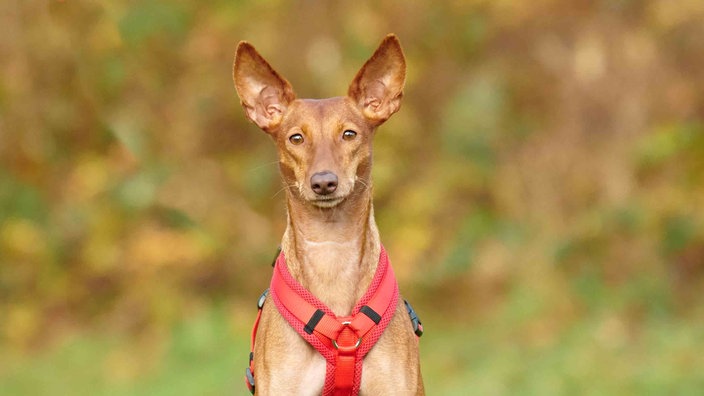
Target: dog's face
x=324, y=145
x=325, y=149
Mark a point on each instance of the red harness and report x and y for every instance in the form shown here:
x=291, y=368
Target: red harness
x=342, y=341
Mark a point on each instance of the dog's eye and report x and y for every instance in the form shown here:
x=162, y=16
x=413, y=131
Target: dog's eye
x=349, y=134
x=296, y=139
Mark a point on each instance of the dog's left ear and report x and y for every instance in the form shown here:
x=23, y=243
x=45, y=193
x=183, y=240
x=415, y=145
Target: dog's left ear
x=378, y=86
x=264, y=94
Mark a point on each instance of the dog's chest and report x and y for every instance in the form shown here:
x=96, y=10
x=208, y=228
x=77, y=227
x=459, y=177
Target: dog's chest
x=332, y=274
x=313, y=377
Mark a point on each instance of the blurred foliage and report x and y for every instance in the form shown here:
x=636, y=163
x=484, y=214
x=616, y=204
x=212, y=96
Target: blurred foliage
x=540, y=192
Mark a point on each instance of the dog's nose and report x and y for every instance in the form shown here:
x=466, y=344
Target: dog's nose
x=323, y=183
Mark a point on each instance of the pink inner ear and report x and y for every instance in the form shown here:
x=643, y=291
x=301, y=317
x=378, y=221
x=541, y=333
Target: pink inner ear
x=372, y=102
x=273, y=109
x=375, y=92
x=270, y=98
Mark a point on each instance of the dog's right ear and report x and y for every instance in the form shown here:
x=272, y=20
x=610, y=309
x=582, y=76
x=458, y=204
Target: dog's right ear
x=264, y=94
x=378, y=86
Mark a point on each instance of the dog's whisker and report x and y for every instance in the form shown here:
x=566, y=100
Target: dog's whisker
x=262, y=166
x=362, y=182
x=284, y=188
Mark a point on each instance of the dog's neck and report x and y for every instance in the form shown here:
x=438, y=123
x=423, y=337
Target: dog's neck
x=333, y=252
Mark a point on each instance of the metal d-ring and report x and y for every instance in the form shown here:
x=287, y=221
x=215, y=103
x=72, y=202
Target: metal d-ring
x=359, y=341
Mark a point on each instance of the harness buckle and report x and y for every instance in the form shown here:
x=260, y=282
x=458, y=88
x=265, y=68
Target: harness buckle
x=262, y=298
x=415, y=320
x=249, y=379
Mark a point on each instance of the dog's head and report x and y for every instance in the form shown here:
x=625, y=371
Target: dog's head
x=324, y=145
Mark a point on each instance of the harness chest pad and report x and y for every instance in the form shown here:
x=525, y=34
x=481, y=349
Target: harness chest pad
x=342, y=341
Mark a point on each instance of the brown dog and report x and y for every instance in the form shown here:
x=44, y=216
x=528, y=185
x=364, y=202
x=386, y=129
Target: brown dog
x=331, y=242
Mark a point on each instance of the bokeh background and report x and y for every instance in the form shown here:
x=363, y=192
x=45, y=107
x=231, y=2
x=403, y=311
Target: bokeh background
x=541, y=191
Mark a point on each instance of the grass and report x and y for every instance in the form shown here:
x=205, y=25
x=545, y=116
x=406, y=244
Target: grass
x=206, y=355
x=595, y=356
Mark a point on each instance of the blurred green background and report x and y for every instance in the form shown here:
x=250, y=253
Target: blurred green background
x=541, y=191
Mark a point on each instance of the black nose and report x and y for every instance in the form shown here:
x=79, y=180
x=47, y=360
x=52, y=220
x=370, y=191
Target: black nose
x=323, y=183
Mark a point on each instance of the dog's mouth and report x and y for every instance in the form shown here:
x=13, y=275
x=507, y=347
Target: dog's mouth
x=327, y=202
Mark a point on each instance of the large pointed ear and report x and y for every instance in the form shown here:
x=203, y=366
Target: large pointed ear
x=378, y=86
x=264, y=94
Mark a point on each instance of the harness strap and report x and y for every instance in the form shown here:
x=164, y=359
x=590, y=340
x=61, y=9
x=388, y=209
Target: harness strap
x=346, y=345
x=249, y=372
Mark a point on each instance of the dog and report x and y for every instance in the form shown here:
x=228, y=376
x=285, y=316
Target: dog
x=331, y=245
